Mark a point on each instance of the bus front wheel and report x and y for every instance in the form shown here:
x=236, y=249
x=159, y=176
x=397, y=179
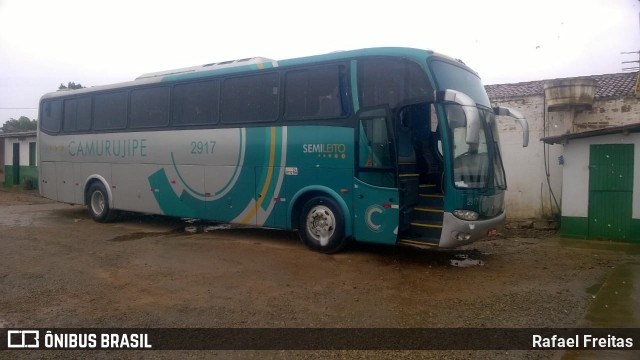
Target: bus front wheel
x=98, y=203
x=321, y=225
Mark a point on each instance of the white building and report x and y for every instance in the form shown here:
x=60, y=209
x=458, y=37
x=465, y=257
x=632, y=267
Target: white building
x=556, y=107
x=582, y=114
x=19, y=158
x=601, y=183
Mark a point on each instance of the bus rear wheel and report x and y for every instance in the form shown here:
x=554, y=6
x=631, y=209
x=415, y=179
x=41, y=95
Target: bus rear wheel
x=98, y=204
x=321, y=225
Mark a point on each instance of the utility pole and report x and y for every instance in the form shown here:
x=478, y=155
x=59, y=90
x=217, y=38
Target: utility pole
x=632, y=68
x=636, y=65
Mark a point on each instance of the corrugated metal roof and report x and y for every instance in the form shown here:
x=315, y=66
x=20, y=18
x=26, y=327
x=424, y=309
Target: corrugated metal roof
x=560, y=139
x=18, y=134
x=608, y=85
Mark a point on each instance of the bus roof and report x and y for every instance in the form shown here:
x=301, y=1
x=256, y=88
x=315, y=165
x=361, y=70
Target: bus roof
x=249, y=64
x=207, y=67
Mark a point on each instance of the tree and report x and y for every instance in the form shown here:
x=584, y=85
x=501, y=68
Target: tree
x=21, y=124
x=70, y=86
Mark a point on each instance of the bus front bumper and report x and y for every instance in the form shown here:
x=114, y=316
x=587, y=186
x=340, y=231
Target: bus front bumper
x=457, y=232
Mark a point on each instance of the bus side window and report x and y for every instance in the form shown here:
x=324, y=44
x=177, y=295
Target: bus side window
x=196, y=103
x=251, y=98
x=77, y=114
x=390, y=81
x=375, y=153
x=110, y=111
x=149, y=107
x=374, y=143
x=314, y=92
x=52, y=116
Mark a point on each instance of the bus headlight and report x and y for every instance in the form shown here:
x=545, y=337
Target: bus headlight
x=466, y=215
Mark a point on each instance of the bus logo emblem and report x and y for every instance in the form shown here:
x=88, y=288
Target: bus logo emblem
x=373, y=209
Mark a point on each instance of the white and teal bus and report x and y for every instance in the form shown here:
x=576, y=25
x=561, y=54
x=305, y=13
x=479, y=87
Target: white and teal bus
x=381, y=145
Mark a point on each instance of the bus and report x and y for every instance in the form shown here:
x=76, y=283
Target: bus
x=379, y=145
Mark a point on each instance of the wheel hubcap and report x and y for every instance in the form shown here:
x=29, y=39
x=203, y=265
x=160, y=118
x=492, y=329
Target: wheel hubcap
x=321, y=224
x=97, y=203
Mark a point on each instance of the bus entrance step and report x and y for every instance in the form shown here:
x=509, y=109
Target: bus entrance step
x=427, y=225
x=428, y=188
x=425, y=229
x=420, y=242
x=431, y=201
x=430, y=214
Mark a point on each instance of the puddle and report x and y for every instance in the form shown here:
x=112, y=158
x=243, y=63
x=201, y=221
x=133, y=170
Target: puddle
x=195, y=226
x=136, y=236
x=177, y=226
x=593, y=289
x=194, y=229
x=144, y=234
x=616, y=300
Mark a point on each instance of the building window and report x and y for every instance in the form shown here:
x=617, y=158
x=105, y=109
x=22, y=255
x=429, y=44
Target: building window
x=32, y=154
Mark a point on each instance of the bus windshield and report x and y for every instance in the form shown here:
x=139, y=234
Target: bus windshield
x=475, y=165
x=450, y=76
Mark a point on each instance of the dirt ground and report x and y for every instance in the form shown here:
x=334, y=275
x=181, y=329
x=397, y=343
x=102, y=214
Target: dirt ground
x=58, y=268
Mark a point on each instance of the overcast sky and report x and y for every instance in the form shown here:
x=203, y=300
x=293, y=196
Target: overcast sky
x=47, y=42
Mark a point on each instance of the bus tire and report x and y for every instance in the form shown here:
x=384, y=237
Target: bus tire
x=321, y=225
x=98, y=203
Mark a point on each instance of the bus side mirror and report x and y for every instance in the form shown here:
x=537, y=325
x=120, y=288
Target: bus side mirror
x=517, y=116
x=470, y=112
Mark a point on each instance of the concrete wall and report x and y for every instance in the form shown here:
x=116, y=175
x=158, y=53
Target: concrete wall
x=606, y=113
x=530, y=194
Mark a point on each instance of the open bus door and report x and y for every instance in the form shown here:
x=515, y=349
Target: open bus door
x=376, y=200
